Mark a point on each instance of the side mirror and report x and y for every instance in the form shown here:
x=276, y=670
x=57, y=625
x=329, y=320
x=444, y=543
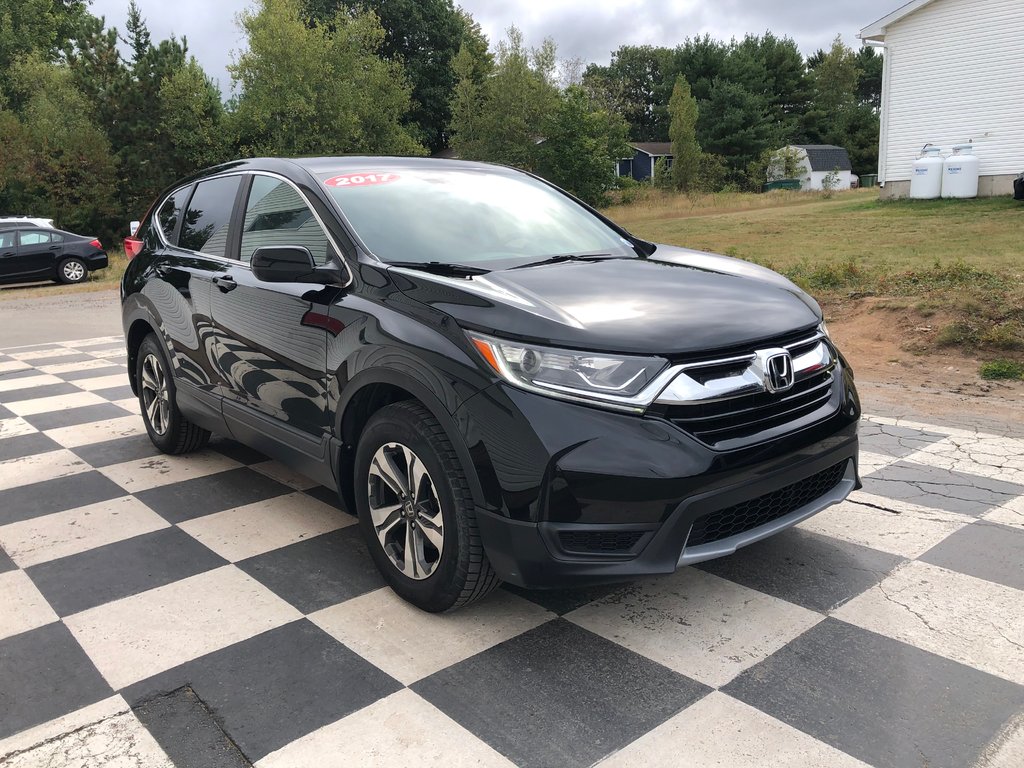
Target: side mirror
x=283, y=264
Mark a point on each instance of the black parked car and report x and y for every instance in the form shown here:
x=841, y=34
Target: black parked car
x=29, y=253
x=501, y=382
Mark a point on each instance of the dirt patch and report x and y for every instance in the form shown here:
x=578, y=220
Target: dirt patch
x=901, y=373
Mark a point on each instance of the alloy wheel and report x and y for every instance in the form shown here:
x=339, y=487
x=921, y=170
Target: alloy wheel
x=405, y=511
x=74, y=271
x=155, y=396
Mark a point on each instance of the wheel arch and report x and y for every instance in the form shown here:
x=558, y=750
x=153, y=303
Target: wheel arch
x=134, y=334
x=374, y=389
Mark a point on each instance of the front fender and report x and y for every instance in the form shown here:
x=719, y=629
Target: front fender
x=428, y=389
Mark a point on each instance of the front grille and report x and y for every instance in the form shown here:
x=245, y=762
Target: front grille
x=748, y=515
x=598, y=541
x=745, y=417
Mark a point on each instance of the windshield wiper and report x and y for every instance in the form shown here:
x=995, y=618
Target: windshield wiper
x=566, y=257
x=441, y=268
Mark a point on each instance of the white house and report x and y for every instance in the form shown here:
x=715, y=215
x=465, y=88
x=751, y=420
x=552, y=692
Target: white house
x=815, y=162
x=953, y=73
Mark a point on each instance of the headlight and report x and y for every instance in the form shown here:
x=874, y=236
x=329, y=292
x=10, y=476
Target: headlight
x=616, y=380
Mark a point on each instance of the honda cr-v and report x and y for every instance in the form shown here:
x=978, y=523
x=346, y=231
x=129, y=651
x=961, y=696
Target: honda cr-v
x=499, y=381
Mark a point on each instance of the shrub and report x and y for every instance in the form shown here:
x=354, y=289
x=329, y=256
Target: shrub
x=1003, y=369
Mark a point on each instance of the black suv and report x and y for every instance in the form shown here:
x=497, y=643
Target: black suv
x=501, y=383
x=29, y=253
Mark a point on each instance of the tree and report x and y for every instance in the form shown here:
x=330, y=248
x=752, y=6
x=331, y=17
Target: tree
x=467, y=126
x=836, y=77
x=841, y=110
x=138, y=33
x=869, y=83
x=62, y=164
x=40, y=27
x=474, y=42
x=320, y=89
x=98, y=71
x=500, y=119
x=683, y=131
x=700, y=60
x=733, y=123
x=423, y=36
x=635, y=79
x=781, y=79
x=579, y=146
x=193, y=120
x=146, y=160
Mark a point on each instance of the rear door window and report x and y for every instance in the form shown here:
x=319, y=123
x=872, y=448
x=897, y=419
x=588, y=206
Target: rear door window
x=276, y=214
x=6, y=239
x=208, y=218
x=169, y=213
x=29, y=237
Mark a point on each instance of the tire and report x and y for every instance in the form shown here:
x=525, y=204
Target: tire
x=445, y=578
x=168, y=428
x=72, y=271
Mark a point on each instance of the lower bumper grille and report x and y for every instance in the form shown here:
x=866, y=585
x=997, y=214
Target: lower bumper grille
x=594, y=542
x=754, y=513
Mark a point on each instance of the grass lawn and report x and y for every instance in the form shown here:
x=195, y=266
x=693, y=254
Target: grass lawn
x=786, y=229
x=957, y=263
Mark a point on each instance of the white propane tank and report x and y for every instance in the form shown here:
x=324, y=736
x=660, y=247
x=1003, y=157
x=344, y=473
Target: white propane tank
x=960, y=173
x=926, y=176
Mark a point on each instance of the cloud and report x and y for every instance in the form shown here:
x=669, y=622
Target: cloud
x=590, y=29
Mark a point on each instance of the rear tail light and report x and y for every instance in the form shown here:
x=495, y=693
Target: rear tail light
x=96, y=244
x=132, y=247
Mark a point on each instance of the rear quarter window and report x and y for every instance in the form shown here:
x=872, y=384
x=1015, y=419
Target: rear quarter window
x=208, y=217
x=170, y=211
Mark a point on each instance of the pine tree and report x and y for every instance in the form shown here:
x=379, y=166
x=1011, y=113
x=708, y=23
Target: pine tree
x=138, y=33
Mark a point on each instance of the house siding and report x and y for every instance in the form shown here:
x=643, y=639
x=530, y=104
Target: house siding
x=953, y=74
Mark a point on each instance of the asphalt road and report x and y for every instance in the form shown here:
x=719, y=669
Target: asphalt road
x=63, y=316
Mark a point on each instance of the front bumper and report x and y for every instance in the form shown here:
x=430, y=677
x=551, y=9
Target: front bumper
x=639, y=493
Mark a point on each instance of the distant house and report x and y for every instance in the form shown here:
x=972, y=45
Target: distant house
x=816, y=161
x=645, y=154
x=951, y=75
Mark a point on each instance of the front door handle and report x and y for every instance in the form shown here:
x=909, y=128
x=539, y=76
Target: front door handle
x=226, y=283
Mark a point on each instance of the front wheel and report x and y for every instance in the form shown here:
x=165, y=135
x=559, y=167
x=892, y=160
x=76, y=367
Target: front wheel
x=416, y=511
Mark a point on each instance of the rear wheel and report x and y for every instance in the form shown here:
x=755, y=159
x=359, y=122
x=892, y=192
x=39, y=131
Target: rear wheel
x=72, y=271
x=416, y=511
x=168, y=428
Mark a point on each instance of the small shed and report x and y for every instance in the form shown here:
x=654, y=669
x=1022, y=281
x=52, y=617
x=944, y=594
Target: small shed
x=815, y=162
x=645, y=154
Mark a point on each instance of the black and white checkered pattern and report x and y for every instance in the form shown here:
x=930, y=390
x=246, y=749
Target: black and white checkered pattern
x=218, y=609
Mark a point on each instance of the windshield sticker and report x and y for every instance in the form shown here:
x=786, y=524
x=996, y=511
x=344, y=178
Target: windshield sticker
x=362, y=179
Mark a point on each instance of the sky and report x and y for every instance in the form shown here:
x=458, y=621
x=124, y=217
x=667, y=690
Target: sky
x=588, y=29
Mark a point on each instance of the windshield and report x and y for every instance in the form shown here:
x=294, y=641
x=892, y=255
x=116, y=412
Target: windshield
x=472, y=217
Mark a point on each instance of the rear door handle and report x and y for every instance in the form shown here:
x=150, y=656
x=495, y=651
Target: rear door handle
x=226, y=283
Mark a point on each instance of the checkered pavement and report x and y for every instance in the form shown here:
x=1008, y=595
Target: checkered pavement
x=220, y=610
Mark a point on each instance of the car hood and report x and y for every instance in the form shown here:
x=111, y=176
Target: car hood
x=677, y=302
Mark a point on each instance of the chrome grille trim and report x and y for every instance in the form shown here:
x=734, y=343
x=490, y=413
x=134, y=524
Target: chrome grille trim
x=742, y=375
